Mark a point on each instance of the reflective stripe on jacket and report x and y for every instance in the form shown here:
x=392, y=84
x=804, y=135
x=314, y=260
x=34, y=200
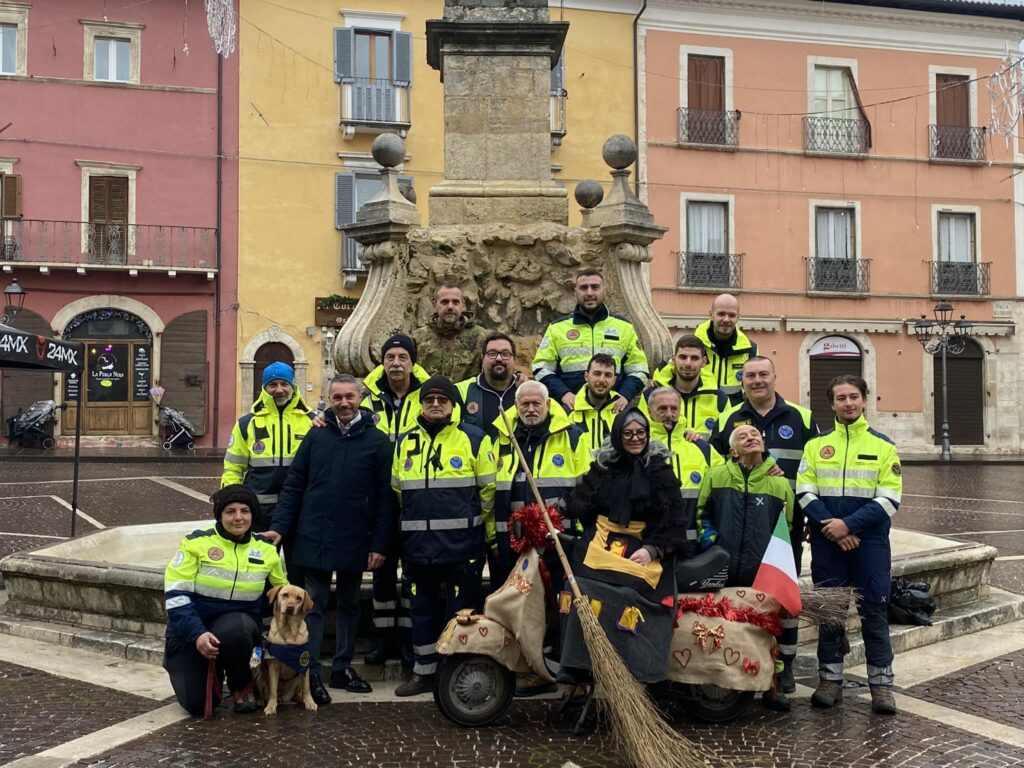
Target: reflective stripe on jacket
x=851, y=472
x=596, y=424
x=738, y=509
x=262, y=446
x=445, y=484
x=392, y=420
x=569, y=343
x=211, y=575
x=698, y=410
x=727, y=370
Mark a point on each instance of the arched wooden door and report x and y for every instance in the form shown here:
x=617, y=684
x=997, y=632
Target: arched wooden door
x=271, y=352
x=966, y=396
x=831, y=356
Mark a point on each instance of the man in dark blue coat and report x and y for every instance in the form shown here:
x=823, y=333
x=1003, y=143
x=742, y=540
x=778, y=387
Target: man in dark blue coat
x=338, y=504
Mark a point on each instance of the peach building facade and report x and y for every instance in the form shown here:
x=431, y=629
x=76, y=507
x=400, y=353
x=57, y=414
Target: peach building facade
x=830, y=164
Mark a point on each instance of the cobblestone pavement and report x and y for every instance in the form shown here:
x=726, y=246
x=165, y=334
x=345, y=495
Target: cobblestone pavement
x=994, y=689
x=40, y=710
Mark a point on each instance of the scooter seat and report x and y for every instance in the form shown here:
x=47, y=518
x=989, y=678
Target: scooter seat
x=693, y=571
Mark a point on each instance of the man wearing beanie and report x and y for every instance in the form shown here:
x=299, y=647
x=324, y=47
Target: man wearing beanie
x=264, y=441
x=444, y=473
x=213, y=590
x=395, y=405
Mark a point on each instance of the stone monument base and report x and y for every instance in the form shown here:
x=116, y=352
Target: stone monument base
x=510, y=202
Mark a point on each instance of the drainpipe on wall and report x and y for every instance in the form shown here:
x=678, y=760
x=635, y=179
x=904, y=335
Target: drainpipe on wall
x=220, y=235
x=636, y=90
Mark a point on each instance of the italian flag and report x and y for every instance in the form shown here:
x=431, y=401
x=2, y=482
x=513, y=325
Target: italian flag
x=777, y=574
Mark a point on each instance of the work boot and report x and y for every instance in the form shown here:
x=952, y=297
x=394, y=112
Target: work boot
x=416, y=685
x=828, y=694
x=776, y=701
x=317, y=690
x=533, y=685
x=384, y=647
x=882, y=700
x=786, y=682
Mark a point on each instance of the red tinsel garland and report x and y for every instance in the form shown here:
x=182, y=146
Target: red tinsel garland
x=724, y=609
x=534, y=530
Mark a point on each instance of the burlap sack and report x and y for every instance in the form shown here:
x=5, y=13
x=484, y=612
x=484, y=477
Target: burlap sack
x=728, y=654
x=518, y=604
x=479, y=634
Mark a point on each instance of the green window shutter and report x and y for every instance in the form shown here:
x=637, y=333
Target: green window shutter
x=344, y=54
x=401, y=49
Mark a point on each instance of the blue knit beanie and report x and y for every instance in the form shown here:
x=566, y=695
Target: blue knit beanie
x=278, y=372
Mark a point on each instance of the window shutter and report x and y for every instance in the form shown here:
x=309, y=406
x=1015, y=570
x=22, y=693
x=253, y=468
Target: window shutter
x=118, y=187
x=952, y=100
x=558, y=75
x=98, y=199
x=401, y=50
x=344, y=54
x=11, y=194
x=405, y=186
x=344, y=199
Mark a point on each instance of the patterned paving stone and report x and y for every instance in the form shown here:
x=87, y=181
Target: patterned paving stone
x=993, y=689
x=1006, y=543
x=416, y=735
x=1008, y=575
x=40, y=711
x=202, y=484
x=35, y=515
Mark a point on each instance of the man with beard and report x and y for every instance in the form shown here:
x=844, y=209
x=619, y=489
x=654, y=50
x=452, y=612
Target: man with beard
x=701, y=401
x=451, y=343
x=338, y=505
x=592, y=407
x=264, y=441
x=570, y=341
x=785, y=428
x=727, y=347
x=443, y=472
x=556, y=454
x=495, y=385
x=395, y=405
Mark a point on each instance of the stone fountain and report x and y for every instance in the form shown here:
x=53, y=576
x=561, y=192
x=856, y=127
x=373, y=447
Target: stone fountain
x=498, y=220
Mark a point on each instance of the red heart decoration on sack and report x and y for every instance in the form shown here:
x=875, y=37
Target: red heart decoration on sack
x=731, y=656
x=760, y=597
x=741, y=593
x=507, y=641
x=682, y=657
x=463, y=639
x=483, y=631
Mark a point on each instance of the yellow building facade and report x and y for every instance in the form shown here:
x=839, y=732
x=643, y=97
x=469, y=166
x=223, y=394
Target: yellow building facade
x=317, y=85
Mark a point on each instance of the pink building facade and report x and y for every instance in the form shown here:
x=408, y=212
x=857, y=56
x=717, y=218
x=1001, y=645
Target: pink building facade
x=119, y=181
x=830, y=165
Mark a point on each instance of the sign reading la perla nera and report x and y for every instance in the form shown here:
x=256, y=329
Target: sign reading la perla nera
x=835, y=346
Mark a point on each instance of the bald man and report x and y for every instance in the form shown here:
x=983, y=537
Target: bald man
x=727, y=346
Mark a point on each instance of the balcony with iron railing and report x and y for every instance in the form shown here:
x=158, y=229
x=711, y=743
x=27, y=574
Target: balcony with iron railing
x=558, y=125
x=371, y=105
x=709, y=127
x=709, y=270
x=849, y=276
x=140, y=247
x=960, y=278
x=836, y=135
x=962, y=143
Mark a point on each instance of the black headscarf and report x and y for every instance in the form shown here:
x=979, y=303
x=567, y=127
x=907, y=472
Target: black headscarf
x=627, y=481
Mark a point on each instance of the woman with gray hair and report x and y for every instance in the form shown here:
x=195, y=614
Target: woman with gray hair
x=634, y=521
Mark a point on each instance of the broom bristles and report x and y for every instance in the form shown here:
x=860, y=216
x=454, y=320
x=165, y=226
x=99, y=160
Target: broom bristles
x=642, y=737
x=827, y=605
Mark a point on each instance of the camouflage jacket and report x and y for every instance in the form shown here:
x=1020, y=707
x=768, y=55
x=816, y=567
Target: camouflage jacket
x=457, y=354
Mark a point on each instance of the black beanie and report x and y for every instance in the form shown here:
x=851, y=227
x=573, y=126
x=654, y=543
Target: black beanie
x=232, y=494
x=399, y=340
x=440, y=385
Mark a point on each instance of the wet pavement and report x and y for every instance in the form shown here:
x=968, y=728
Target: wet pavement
x=967, y=715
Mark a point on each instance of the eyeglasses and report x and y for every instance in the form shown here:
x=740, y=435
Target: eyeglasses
x=640, y=434
x=492, y=354
x=439, y=399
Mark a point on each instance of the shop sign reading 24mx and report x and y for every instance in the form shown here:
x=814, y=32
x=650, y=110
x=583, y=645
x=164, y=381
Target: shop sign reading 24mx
x=64, y=354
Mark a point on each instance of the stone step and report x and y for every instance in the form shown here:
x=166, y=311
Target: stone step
x=998, y=608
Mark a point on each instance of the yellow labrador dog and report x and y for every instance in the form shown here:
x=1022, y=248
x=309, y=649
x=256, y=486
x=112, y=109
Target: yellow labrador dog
x=284, y=671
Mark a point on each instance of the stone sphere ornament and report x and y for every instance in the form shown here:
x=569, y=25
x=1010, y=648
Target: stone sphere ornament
x=589, y=193
x=619, y=151
x=388, y=149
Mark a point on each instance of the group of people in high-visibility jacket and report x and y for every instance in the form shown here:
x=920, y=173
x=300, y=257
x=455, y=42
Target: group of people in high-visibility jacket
x=741, y=456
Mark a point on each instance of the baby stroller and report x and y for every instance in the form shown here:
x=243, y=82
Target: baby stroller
x=31, y=429
x=179, y=432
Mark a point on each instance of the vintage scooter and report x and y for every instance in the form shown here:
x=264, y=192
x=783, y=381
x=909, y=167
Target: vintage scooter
x=721, y=653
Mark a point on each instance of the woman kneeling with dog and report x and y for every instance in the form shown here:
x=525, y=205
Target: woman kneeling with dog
x=213, y=589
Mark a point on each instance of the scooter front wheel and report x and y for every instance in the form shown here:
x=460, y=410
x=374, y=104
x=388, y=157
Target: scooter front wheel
x=473, y=690
x=714, y=704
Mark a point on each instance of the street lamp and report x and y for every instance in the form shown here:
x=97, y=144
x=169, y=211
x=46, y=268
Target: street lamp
x=943, y=336
x=14, y=301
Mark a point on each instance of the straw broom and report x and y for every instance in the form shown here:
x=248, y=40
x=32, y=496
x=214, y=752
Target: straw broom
x=643, y=738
